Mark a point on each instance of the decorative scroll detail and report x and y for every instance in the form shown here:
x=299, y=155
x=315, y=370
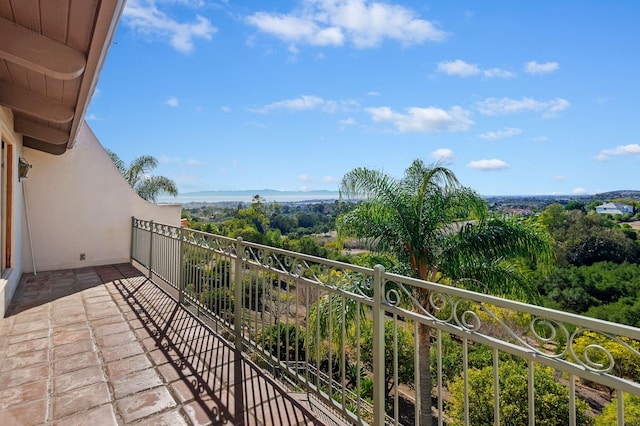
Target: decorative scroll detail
x=542, y=336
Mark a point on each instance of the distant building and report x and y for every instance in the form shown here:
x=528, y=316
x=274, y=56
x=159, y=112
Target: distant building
x=614, y=208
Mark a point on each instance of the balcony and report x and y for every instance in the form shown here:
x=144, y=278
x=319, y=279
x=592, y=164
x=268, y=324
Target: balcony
x=203, y=329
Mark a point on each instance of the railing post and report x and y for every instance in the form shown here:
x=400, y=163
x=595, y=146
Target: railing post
x=181, y=268
x=378, y=347
x=237, y=295
x=150, y=266
x=133, y=231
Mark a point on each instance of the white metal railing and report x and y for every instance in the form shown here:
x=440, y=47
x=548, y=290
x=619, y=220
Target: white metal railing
x=372, y=344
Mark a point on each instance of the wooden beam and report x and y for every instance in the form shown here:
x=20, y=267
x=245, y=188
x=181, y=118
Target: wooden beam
x=33, y=104
x=39, y=53
x=50, y=148
x=39, y=131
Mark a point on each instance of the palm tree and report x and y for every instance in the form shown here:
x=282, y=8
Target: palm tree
x=419, y=219
x=138, y=176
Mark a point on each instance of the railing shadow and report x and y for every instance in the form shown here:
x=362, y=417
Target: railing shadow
x=227, y=387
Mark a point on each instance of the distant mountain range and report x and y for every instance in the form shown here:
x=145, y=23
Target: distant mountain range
x=273, y=195
x=261, y=192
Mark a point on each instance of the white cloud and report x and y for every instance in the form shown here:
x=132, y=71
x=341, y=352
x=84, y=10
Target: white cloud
x=330, y=179
x=172, y=101
x=373, y=93
x=486, y=165
x=424, y=120
x=92, y=117
x=305, y=178
x=361, y=23
x=500, y=134
x=561, y=178
x=458, y=67
x=497, y=72
x=549, y=109
x=464, y=69
x=540, y=139
x=165, y=159
x=622, y=150
x=348, y=122
x=442, y=154
x=144, y=17
x=225, y=109
x=306, y=103
x=535, y=68
x=579, y=191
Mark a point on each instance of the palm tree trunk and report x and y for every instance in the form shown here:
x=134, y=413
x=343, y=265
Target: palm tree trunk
x=424, y=366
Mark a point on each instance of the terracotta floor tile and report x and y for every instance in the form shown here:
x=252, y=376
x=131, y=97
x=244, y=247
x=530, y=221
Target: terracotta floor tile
x=113, y=319
x=143, y=404
x=81, y=399
x=109, y=329
x=135, y=382
x=66, y=328
x=30, y=414
x=76, y=362
x=25, y=360
x=21, y=376
x=23, y=394
x=38, y=324
x=116, y=339
x=123, y=351
x=27, y=346
x=171, y=418
x=71, y=336
x=31, y=335
x=77, y=379
x=104, y=416
x=69, y=349
x=69, y=319
x=128, y=365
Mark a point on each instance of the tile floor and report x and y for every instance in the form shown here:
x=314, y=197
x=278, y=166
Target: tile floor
x=105, y=346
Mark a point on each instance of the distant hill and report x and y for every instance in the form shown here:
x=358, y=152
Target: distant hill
x=261, y=192
x=612, y=195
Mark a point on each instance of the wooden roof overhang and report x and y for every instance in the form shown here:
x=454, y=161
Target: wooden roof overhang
x=51, y=54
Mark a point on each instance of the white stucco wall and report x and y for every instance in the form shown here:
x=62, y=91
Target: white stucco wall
x=79, y=203
x=11, y=276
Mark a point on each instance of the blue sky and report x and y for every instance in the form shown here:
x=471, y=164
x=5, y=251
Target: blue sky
x=516, y=97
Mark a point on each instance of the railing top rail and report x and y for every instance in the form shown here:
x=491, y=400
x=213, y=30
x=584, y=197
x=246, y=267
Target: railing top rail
x=566, y=317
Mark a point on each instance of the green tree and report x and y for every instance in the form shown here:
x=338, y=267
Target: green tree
x=418, y=218
x=405, y=350
x=551, y=398
x=138, y=176
x=609, y=415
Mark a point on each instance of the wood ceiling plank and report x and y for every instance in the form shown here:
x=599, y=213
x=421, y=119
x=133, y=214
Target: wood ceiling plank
x=30, y=103
x=27, y=13
x=36, y=82
x=39, y=131
x=55, y=19
x=82, y=18
x=5, y=9
x=39, y=53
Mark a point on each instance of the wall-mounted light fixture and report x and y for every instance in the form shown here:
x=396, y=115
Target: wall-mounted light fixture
x=23, y=168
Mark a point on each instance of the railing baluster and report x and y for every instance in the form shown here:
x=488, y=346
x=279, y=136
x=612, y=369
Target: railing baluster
x=465, y=375
x=620, y=398
x=237, y=314
x=572, y=400
x=496, y=388
x=531, y=394
x=378, y=347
